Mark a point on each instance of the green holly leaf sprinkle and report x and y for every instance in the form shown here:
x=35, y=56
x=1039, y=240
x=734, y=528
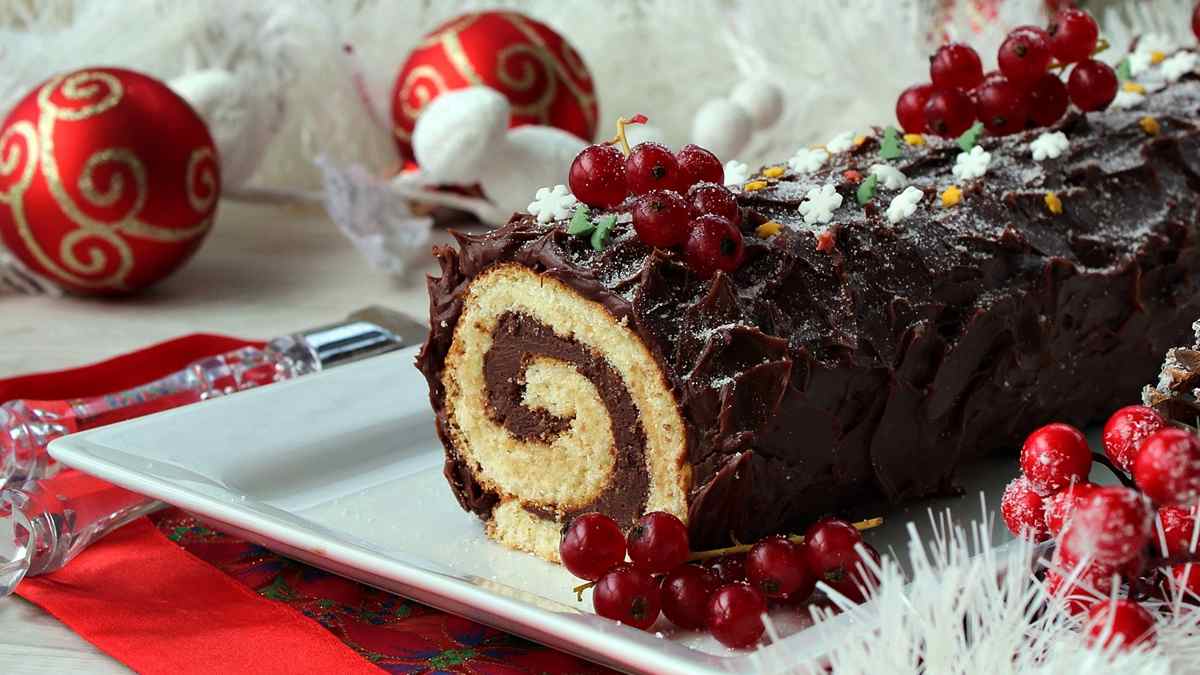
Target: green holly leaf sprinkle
x=581, y=222
x=866, y=190
x=604, y=228
x=970, y=137
x=890, y=149
x=1123, y=73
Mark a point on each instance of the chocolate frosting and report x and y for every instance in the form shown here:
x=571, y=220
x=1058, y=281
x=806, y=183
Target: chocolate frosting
x=816, y=381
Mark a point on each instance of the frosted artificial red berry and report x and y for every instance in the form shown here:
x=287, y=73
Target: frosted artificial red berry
x=1167, y=466
x=735, y=614
x=715, y=199
x=729, y=568
x=713, y=244
x=1196, y=21
x=1080, y=589
x=651, y=166
x=955, y=66
x=1109, y=526
x=685, y=594
x=658, y=542
x=1023, y=510
x=697, y=165
x=627, y=594
x=661, y=218
x=1061, y=505
x=910, y=108
x=1125, y=431
x=591, y=545
x=1055, y=456
x=1178, y=525
x=1048, y=100
x=949, y=112
x=1092, y=85
x=1024, y=55
x=1002, y=107
x=1185, y=580
x=1122, y=622
x=1073, y=35
x=777, y=567
x=597, y=176
x=831, y=551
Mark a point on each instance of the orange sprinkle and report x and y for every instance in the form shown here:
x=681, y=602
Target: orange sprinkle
x=773, y=171
x=852, y=175
x=1133, y=88
x=826, y=240
x=768, y=229
x=754, y=185
x=1053, y=203
x=1149, y=125
x=1157, y=57
x=859, y=140
x=951, y=196
x=914, y=139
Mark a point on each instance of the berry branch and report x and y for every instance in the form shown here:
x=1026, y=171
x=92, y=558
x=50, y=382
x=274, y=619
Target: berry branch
x=1103, y=460
x=861, y=525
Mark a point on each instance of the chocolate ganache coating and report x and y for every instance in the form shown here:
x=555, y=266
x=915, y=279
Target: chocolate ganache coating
x=815, y=379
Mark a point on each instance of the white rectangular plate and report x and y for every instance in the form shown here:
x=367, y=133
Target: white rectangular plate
x=343, y=470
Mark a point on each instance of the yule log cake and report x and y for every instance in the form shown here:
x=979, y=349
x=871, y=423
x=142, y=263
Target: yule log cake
x=902, y=306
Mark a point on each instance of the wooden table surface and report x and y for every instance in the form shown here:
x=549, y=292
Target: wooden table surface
x=264, y=271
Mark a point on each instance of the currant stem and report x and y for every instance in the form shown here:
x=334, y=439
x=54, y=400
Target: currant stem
x=621, y=124
x=580, y=589
x=1103, y=459
x=794, y=538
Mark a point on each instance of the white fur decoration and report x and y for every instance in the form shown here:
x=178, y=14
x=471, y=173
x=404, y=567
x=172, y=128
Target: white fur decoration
x=458, y=131
x=722, y=127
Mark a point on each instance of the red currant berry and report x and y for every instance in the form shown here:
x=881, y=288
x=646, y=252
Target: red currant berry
x=831, y=551
x=1167, y=466
x=715, y=199
x=1185, y=577
x=1002, y=107
x=1123, y=622
x=685, y=594
x=776, y=567
x=729, y=568
x=1196, y=21
x=1080, y=589
x=713, y=244
x=1048, y=100
x=597, y=176
x=1073, y=35
x=1024, y=511
x=698, y=165
x=661, y=218
x=735, y=614
x=1024, y=55
x=955, y=66
x=1092, y=85
x=1110, y=526
x=1178, y=529
x=627, y=594
x=658, y=542
x=1125, y=431
x=1055, y=456
x=651, y=166
x=949, y=112
x=910, y=108
x=1061, y=506
x=591, y=545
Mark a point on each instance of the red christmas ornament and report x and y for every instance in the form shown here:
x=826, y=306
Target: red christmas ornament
x=108, y=181
x=538, y=71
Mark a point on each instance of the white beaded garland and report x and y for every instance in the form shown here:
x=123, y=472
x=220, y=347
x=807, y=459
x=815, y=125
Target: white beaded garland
x=762, y=100
x=722, y=127
x=524, y=159
x=457, y=132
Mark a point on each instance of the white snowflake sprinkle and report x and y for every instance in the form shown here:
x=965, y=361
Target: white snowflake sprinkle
x=1179, y=65
x=1139, y=62
x=1127, y=99
x=841, y=143
x=890, y=177
x=552, y=204
x=819, y=204
x=808, y=160
x=973, y=164
x=904, y=204
x=736, y=172
x=1049, y=145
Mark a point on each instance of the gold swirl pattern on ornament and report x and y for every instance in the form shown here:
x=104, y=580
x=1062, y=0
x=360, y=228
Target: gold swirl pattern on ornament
x=97, y=260
x=458, y=57
x=417, y=84
x=83, y=86
x=584, y=99
x=507, y=61
x=116, y=184
x=457, y=26
x=201, y=165
x=14, y=157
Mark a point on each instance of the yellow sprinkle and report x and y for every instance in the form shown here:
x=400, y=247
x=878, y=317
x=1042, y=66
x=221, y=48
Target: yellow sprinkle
x=1157, y=57
x=1053, y=203
x=859, y=140
x=773, y=171
x=1149, y=125
x=1133, y=88
x=754, y=185
x=768, y=229
x=951, y=196
x=914, y=139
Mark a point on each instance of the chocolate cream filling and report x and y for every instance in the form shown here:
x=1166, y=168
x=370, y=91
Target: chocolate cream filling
x=516, y=341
